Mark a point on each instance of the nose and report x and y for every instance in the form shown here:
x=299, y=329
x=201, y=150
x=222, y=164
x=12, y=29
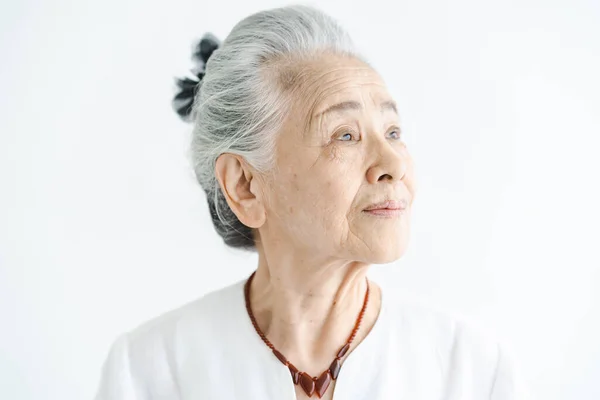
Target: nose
x=390, y=163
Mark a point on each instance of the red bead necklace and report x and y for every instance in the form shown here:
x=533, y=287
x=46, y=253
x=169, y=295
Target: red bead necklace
x=309, y=384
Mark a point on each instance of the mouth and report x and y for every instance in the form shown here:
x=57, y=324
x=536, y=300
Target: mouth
x=387, y=208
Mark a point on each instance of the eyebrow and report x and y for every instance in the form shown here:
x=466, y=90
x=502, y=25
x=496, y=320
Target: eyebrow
x=355, y=105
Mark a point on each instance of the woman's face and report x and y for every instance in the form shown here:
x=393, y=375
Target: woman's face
x=340, y=151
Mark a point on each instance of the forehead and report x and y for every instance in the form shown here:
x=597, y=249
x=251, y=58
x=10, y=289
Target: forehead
x=326, y=80
x=334, y=78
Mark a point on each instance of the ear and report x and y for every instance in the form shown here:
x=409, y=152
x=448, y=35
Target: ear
x=241, y=187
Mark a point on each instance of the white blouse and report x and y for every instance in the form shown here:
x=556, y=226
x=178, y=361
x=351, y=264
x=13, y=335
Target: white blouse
x=208, y=349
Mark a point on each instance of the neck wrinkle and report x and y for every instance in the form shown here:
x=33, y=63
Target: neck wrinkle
x=310, y=318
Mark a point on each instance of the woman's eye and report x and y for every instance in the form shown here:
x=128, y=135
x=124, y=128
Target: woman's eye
x=396, y=133
x=345, y=137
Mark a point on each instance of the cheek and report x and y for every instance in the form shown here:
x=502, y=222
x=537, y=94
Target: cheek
x=320, y=192
x=320, y=200
x=333, y=199
x=334, y=154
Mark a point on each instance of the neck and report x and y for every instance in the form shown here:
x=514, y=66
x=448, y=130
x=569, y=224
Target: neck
x=308, y=310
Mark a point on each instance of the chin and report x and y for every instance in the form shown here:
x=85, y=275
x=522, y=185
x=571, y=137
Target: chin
x=386, y=258
x=387, y=253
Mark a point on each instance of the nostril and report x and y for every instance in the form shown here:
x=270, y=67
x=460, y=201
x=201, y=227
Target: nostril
x=385, y=176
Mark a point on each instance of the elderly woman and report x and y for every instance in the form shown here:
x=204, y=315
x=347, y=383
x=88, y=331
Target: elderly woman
x=298, y=146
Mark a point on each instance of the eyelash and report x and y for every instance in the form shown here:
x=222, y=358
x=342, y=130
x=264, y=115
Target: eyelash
x=397, y=130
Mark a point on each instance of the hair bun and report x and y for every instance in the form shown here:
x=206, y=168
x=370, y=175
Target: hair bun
x=184, y=99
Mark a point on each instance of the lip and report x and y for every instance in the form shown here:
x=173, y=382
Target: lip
x=389, y=205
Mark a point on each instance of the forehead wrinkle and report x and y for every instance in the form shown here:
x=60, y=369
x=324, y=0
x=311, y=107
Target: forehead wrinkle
x=330, y=89
x=317, y=98
x=334, y=87
x=338, y=68
x=312, y=90
x=350, y=103
x=318, y=119
x=322, y=76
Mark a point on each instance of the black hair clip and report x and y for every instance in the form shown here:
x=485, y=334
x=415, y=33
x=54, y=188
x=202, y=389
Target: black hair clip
x=184, y=99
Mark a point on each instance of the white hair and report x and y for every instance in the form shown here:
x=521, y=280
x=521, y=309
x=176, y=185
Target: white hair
x=239, y=107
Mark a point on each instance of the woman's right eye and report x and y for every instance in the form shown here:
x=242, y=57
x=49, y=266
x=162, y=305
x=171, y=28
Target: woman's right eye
x=346, y=135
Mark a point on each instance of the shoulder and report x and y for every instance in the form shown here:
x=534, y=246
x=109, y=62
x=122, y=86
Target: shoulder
x=147, y=357
x=207, y=312
x=468, y=357
x=448, y=331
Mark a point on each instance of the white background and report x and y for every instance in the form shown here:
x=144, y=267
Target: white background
x=102, y=225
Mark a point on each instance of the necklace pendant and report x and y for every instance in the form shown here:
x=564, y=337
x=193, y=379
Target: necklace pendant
x=312, y=385
x=334, y=368
x=295, y=373
x=322, y=383
x=307, y=383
